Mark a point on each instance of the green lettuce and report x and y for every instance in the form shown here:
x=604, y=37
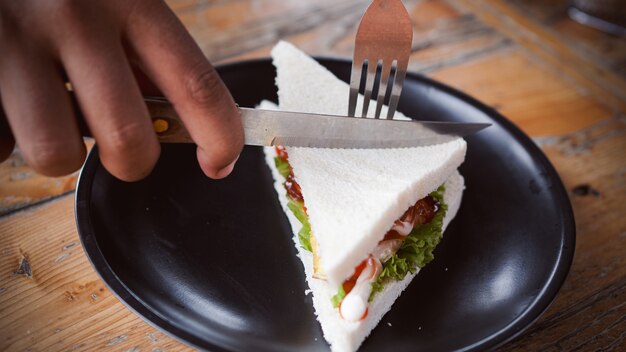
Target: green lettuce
x=336, y=299
x=416, y=250
x=282, y=166
x=304, y=236
x=296, y=207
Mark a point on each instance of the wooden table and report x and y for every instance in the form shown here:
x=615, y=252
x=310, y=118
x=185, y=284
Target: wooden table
x=562, y=83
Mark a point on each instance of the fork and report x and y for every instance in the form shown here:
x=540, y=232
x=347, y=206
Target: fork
x=383, y=40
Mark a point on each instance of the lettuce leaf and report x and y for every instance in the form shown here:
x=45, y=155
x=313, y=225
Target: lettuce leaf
x=282, y=166
x=296, y=207
x=336, y=299
x=416, y=250
x=304, y=236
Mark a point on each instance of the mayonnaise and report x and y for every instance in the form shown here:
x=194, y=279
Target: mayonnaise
x=354, y=306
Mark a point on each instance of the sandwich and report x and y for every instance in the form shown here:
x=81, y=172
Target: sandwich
x=365, y=221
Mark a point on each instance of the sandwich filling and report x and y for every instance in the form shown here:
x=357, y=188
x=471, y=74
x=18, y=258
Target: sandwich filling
x=405, y=248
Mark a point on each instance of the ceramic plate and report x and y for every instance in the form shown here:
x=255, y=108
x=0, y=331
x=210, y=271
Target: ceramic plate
x=213, y=263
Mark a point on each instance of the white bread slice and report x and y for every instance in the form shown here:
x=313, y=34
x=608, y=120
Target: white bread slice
x=344, y=336
x=390, y=181
x=353, y=196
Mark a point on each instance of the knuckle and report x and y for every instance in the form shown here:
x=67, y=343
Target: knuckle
x=127, y=152
x=127, y=139
x=53, y=158
x=203, y=86
x=22, y=21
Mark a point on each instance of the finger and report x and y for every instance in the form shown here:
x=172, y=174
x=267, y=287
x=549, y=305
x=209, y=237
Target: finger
x=7, y=142
x=145, y=84
x=111, y=103
x=171, y=58
x=39, y=113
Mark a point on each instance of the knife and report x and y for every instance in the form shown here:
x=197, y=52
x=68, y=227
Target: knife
x=273, y=127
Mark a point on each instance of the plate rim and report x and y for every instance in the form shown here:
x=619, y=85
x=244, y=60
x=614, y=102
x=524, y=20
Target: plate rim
x=514, y=329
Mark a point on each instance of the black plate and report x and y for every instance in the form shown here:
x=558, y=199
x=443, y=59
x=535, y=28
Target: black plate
x=213, y=263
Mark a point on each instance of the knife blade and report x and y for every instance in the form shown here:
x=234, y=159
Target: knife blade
x=274, y=127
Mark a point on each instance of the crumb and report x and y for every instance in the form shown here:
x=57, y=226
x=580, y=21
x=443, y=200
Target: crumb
x=152, y=337
x=116, y=340
x=24, y=267
x=389, y=324
x=62, y=257
x=445, y=269
x=69, y=245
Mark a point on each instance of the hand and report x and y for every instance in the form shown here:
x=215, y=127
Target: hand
x=96, y=45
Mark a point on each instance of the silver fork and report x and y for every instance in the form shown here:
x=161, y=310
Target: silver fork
x=383, y=40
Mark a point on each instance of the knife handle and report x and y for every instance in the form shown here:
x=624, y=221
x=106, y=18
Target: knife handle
x=165, y=121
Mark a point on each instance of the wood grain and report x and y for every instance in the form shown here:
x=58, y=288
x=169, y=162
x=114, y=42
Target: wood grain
x=538, y=101
x=584, y=71
x=21, y=187
x=605, y=50
x=562, y=83
x=63, y=304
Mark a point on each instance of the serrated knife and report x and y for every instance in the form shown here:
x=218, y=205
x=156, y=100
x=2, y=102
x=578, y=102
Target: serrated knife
x=273, y=127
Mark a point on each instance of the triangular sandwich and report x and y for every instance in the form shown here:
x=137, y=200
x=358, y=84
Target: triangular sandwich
x=365, y=221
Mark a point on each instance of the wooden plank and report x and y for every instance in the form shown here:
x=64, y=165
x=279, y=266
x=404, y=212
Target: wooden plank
x=251, y=35
x=596, y=323
x=537, y=99
x=607, y=87
x=456, y=37
x=63, y=304
x=452, y=42
x=606, y=50
x=21, y=187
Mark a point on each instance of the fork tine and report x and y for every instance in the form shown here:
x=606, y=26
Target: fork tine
x=382, y=85
x=396, y=89
x=355, y=83
x=385, y=29
x=369, y=85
